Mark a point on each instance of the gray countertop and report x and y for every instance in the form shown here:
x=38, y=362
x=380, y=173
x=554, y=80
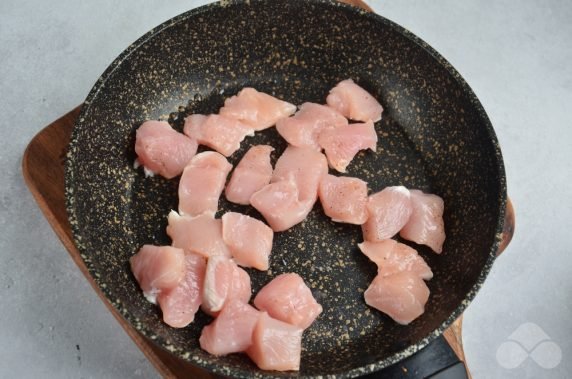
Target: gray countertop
x=515, y=55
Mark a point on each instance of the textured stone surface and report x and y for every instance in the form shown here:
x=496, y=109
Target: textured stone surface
x=514, y=58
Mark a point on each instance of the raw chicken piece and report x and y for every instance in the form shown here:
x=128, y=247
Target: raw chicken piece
x=248, y=239
x=224, y=280
x=425, y=226
x=344, y=199
x=157, y=269
x=202, y=183
x=200, y=234
x=287, y=298
x=231, y=331
x=276, y=345
x=223, y=134
x=256, y=109
x=278, y=203
x=392, y=257
x=401, y=296
x=180, y=304
x=253, y=172
x=303, y=128
x=354, y=102
x=389, y=211
x=342, y=144
x=305, y=167
x=162, y=150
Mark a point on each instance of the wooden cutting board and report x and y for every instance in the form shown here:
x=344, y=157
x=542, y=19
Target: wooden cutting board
x=43, y=169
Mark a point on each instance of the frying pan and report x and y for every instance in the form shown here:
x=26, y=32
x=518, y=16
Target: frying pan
x=434, y=136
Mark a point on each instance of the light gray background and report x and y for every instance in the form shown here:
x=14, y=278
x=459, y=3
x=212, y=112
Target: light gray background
x=516, y=56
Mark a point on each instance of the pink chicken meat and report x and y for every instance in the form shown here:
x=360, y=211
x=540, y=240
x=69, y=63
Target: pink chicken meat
x=287, y=298
x=354, y=102
x=344, y=199
x=199, y=235
x=248, y=239
x=180, y=304
x=224, y=281
x=305, y=167
x=276, y=345
x=232, y=330
x=158, y=269
x=162, y=150
x=253, y=172
x=388, y=211
x=256, y=109
x=402, y=296
x=279, y=205
x=392, y=257
x=425, y=226
x=342, y=144
x=293, y=190
x=305, y=126
x=202, y=183
x=223, y=134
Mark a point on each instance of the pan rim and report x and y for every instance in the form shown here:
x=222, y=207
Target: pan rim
x=238, y=372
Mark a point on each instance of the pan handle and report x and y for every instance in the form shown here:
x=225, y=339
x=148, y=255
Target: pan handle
x=435, y=361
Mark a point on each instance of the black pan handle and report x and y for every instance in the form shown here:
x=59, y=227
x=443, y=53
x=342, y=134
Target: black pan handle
x=435, y=361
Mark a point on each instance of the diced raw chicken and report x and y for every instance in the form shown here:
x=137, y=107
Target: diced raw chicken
x=392, y=257
x=303, y=128
x=223, y=134
x=342, y=144
x=248, y=239
x=287, y=298
x=305, y=167
x=425, y=226
x=256, y=109
x=401, y=296
x=202, y=183
x=200, y=234
x=344, y=198
x=276, y=345
x=388, y=211
x=180, y=304
x=354, y=102
x=253, y=172
x=158, y=269
x=162, y=150
x=231, y=331
x=278, y=203
x=224, y=280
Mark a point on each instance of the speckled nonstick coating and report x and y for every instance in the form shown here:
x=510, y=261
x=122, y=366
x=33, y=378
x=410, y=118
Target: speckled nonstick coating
x=434, y=135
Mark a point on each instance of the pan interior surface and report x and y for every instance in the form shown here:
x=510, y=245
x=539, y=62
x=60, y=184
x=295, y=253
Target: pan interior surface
x=434, y=136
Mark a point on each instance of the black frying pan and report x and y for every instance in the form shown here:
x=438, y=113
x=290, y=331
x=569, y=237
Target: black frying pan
x=434, y=135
